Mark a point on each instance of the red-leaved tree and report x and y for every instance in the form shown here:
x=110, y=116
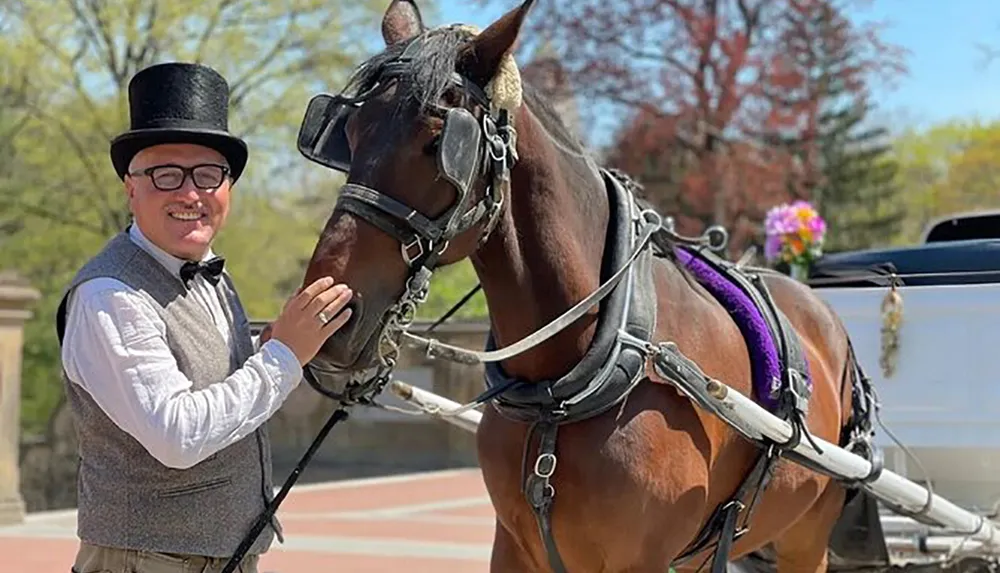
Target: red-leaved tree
x=704, y=86
x=825, y=62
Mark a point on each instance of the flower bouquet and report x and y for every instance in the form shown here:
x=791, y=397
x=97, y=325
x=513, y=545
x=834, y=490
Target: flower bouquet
x=795, y=235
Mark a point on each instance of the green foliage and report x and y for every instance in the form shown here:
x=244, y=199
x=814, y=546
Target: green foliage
x=66, y=65
x=948, y=168
x=854, y=186
x=859, y=195
x=448, y=286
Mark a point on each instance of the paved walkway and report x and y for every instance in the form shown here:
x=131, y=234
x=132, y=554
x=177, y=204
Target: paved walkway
x=437, y=522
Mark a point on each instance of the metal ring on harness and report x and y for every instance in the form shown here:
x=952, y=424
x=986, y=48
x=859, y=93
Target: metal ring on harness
x=545, y=465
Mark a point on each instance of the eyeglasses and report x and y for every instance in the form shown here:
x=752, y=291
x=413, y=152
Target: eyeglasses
x=206, y=176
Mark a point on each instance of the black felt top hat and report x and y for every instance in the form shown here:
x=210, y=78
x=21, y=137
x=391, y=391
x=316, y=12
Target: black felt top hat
x=178, y=103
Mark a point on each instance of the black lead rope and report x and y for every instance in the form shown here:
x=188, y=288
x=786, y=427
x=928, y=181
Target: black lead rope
x=458, y=305
x=338, y=415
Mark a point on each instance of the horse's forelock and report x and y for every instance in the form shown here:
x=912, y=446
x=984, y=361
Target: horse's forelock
x=429, y=73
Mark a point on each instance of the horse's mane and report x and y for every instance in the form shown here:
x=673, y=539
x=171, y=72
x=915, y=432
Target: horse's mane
x=552, y=121
x=430, y=71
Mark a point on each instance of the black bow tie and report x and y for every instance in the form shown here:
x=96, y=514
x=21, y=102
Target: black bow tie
x=210, y=269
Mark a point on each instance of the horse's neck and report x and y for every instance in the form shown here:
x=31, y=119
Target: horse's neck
x=545, y=254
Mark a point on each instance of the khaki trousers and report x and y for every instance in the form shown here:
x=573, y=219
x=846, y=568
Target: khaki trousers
x=97, y=559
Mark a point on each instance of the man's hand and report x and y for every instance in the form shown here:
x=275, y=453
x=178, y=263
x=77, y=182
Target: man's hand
x=301, y=324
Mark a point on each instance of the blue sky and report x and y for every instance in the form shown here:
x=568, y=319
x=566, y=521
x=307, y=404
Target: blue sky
x=946, y=77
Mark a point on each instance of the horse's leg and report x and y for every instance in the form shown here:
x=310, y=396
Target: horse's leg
x=803, y=547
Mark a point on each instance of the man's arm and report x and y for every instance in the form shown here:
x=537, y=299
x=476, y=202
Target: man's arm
x=115, y=347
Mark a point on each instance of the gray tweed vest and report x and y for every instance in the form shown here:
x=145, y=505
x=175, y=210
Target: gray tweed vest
x=127, y=498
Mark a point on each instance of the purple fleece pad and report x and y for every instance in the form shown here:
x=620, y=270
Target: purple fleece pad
x=764, y=358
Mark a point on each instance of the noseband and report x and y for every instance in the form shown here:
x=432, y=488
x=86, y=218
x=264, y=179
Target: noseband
x=469, y=150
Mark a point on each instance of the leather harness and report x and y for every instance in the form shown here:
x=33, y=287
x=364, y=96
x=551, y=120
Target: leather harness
x=483, y=150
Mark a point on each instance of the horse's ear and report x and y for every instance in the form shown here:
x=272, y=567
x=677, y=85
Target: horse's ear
x=489, y=47
x=401, y=22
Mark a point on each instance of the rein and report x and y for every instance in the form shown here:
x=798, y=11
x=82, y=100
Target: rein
x=652, y=225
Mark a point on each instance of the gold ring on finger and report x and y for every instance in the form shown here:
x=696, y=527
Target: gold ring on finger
x=323, y=317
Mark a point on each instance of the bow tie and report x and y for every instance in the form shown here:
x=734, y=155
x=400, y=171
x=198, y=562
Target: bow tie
x=210, y=269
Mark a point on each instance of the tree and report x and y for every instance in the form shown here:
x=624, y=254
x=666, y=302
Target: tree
x=848, y=177
x=711, y=75
x=754, y=177
x=948, y=168
x=76, y=58
x=79, y=57
x=858, y=193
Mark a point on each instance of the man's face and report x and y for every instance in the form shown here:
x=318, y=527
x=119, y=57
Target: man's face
x=183, y=221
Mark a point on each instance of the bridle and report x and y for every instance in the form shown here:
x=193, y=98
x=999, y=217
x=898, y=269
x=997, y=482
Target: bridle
x=469, y=151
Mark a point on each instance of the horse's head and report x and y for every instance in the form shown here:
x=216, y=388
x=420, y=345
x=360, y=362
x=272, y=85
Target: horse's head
x=422, y=133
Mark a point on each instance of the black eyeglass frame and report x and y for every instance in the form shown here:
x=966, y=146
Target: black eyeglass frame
x=186, y=172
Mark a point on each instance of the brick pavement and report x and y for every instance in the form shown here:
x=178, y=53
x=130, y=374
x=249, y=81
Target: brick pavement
x=437, y=522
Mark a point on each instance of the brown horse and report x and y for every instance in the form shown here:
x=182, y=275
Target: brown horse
x=449, y=157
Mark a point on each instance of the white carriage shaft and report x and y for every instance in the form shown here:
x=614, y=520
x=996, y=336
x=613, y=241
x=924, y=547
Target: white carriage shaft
x=437, y=406
x=743, y=412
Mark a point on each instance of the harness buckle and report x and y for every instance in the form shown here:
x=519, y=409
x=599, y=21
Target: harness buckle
x=545, y=465
x=404, y=250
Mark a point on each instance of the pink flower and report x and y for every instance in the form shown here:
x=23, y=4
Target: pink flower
x=795, y=225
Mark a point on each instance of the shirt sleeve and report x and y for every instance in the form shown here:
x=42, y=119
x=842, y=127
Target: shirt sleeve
x=115, y=348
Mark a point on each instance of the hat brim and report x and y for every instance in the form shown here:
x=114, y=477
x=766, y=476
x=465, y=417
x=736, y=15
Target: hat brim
x=125, y=146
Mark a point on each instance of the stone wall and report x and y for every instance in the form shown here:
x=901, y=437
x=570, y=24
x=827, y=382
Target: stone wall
x=370, y=442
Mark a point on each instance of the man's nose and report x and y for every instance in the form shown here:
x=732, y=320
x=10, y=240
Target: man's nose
x=188, y=191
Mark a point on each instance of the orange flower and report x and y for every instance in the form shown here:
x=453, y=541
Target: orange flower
x=797, y=245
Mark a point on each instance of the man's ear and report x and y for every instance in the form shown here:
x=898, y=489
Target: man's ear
x=129, y=186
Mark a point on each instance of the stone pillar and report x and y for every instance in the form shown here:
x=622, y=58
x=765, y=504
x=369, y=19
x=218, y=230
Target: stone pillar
x=15, y=297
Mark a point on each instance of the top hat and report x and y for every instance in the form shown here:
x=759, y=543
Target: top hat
x=178, y=103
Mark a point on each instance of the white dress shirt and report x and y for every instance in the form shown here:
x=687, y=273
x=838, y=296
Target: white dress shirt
x=115, y=348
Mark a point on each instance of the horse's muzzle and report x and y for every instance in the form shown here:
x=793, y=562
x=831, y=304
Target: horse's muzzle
x=354, y=346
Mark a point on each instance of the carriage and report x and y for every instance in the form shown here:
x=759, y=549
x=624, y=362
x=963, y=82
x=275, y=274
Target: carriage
x=934, y=365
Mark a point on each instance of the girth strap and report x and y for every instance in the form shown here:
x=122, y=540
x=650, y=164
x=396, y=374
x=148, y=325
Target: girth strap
x=723, y=521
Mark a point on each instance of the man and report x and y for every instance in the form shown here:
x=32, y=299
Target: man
x=168, y=392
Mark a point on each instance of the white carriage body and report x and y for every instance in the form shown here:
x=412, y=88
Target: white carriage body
x=941, y=401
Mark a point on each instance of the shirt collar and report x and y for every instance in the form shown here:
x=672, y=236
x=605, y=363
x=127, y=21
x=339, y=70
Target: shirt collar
x=170, y=262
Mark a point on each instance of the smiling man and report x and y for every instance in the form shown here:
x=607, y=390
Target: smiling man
x=168, y=391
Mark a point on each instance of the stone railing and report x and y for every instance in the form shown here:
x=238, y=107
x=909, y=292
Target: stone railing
x=16, y=296
x=371, y=442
